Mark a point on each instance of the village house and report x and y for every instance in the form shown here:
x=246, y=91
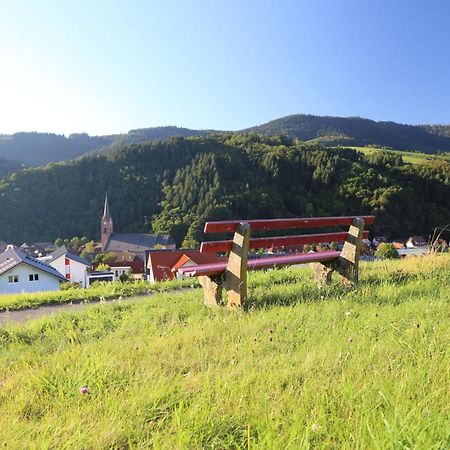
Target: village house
x=398, y=244
x=162, y=265
x=21, y=273
x=416, y=242
x=135, y=243
x=73, y=267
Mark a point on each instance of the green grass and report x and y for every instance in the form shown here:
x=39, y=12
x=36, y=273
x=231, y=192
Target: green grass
x=97, y=292
x=365, y=369
x=408, y=157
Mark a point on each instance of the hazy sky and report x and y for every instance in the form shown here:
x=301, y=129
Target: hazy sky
x=110, y=66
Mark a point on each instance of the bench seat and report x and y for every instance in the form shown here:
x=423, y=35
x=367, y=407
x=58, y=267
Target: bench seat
x=261, y=263
x=231, y=275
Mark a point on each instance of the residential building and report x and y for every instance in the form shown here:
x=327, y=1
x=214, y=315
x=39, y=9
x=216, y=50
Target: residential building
x=73, y=267
x=21, y=273
x=162, y=265
x=416, y=242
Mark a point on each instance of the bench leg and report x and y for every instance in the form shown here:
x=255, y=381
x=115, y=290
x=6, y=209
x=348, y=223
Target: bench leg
x=212, y=291
x=235, y=281
x=322, y=273
x=348, y=262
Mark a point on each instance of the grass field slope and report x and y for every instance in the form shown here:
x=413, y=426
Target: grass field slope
x=409, y=157
x=361, y=369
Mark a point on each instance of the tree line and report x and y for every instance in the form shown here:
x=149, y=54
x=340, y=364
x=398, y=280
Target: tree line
x=176, y=185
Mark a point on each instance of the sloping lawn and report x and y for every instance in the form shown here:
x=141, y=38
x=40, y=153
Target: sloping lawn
x=367, y=369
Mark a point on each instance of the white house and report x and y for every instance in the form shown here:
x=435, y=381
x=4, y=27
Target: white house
x=69, y=265
x=416, y=242
x=20, y=273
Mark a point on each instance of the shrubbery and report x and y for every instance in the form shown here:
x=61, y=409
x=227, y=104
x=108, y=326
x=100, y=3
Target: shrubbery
x=387, y=251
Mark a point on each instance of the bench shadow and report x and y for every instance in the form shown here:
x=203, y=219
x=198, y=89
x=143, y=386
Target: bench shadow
x=292, y=294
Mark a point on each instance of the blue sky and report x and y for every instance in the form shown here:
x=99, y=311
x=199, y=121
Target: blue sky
x=110, y=66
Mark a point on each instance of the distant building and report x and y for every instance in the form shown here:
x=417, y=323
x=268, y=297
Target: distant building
x=136, y=243
x=21, y=273
x=162, y=265
x=135, y=269
x=416, y=242
x=106, y=276
x=398, y=244
x=70, y=265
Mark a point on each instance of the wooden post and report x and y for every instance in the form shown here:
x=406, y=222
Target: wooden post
x=322, y=273
x=348, y=262
x=212, y=290
x=235, y=281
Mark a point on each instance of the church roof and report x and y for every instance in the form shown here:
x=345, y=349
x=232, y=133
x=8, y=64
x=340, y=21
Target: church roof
x=136, y=242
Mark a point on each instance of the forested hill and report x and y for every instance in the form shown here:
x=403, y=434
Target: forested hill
x=34, y=149
x=174, y=186
x=357, y=131
x=7, y=167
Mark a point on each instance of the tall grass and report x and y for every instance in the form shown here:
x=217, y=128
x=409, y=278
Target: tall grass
x=303, y=368
x=99, y=291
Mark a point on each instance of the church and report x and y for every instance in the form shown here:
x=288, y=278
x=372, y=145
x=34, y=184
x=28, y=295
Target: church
x=135, y=243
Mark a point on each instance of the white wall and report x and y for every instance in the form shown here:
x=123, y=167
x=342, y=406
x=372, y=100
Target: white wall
x=78, y=271
x=46, y=281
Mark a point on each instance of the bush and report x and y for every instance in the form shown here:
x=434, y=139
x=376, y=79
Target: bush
x=387, y=251
x=66, y=286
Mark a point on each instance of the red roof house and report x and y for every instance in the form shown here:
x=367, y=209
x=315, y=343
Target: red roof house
x=163, y=265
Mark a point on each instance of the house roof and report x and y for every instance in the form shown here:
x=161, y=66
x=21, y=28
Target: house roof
x=44, y=245
x=62, y=251
x=125, y=257
x=162, y=261
x=418, y=240
x=137, y=267
x=11, y=258
x=136, y=242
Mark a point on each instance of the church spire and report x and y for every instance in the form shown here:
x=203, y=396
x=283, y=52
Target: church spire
x=106, y=214
x=106, y=225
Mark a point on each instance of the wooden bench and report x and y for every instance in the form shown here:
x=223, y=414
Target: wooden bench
x=232, y=274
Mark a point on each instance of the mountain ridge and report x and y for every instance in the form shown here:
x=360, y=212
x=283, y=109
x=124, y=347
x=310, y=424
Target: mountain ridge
x=34, y=148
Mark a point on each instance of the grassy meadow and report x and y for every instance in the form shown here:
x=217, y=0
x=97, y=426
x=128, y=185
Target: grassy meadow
x=411, y=157
x=303, y=368
x=97, y=292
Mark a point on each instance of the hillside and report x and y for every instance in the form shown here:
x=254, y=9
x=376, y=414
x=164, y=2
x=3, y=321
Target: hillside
x=7, y=167
x=356, y=131
x=174, y=186
x=35, y=149
x=303, y=369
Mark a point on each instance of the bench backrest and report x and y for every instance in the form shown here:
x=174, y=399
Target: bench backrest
x=282, y=224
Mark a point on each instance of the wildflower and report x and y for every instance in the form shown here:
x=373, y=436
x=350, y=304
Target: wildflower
x=84, y=390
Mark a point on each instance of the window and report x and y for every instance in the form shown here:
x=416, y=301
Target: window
x=13, y=279
x=33, y=277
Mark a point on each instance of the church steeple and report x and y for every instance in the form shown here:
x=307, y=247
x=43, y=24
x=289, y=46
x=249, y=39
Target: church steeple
x=106, y=214
x=106, y=224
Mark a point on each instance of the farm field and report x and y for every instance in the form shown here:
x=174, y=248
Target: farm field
x=408, y=157
x=303, y=368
